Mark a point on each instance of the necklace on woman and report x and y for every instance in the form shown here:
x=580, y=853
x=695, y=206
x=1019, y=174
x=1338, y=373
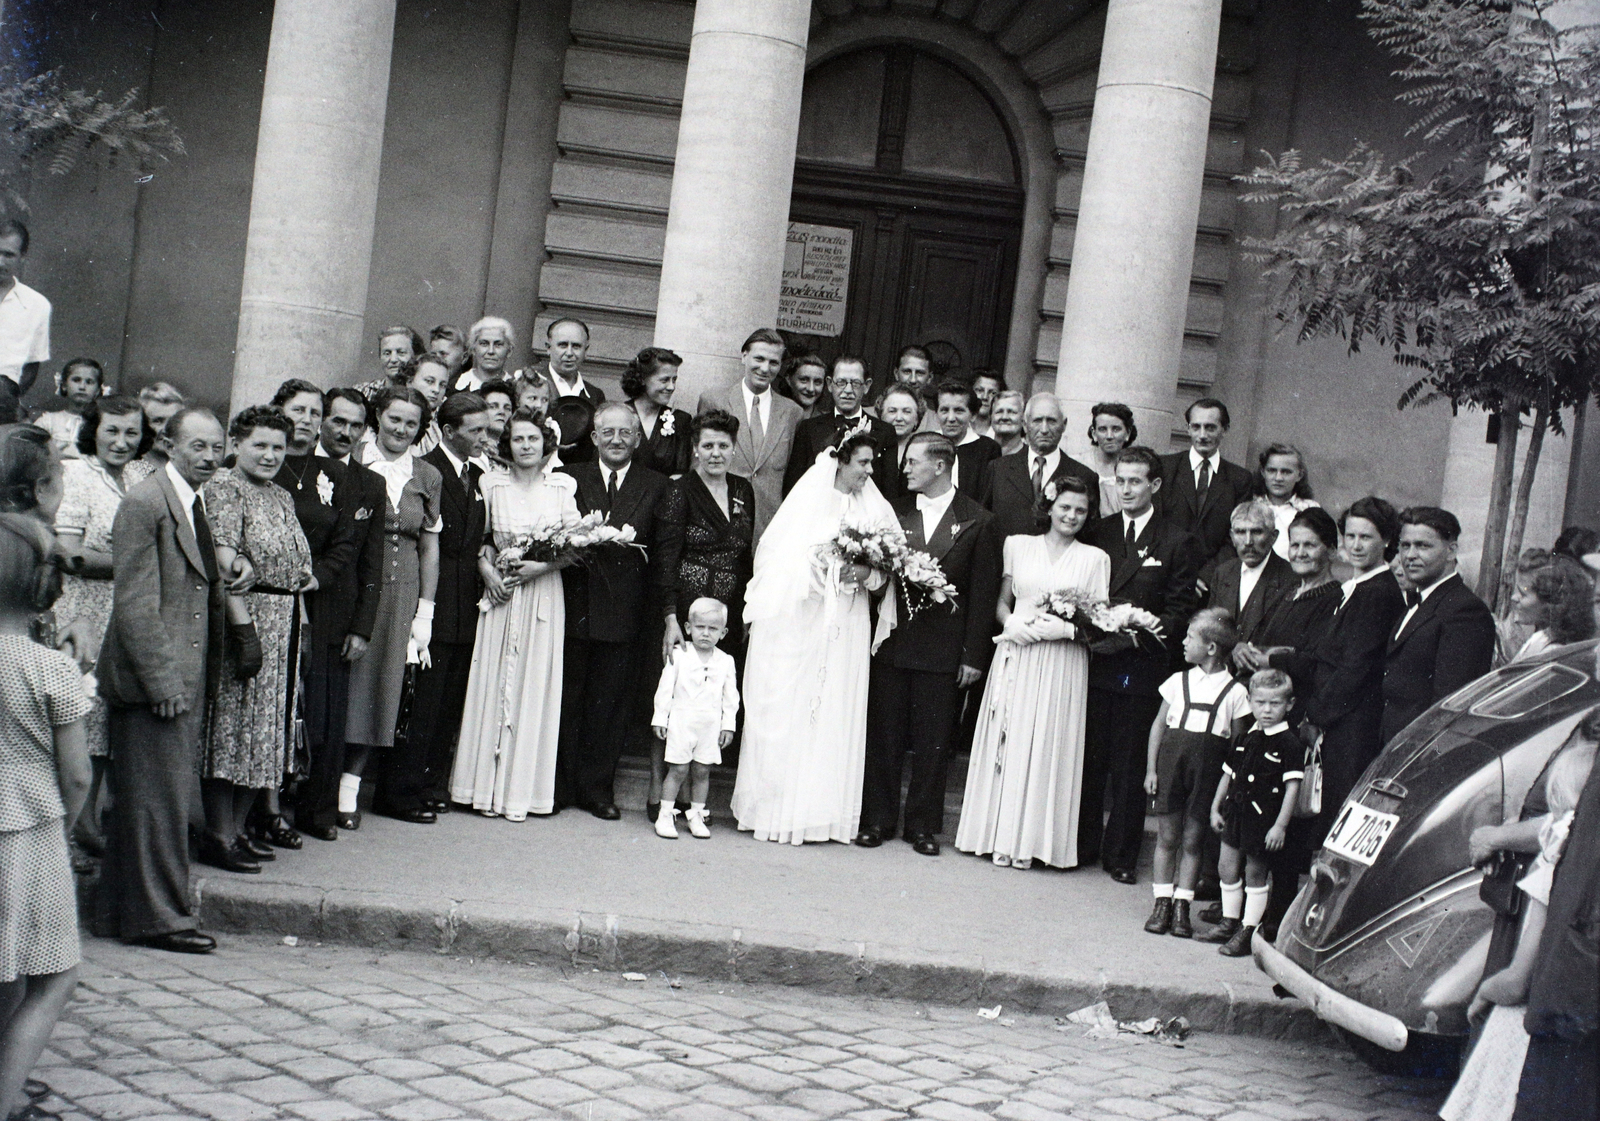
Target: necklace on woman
x=300, y=476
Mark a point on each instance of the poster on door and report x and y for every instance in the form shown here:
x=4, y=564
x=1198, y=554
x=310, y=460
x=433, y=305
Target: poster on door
x=816, y=279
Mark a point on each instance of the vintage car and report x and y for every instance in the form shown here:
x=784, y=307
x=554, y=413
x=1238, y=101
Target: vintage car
x=1388, y=937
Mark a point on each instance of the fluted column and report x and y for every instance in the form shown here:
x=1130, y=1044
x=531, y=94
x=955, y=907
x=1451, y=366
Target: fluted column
x=314, y=199
x=722, y=267
x=1133, y=252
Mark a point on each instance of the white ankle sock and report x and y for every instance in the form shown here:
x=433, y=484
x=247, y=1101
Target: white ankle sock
x=1232, y=900
x=1163, y=891
x=1255, y=904
x=1186, y=894
x=349, y=793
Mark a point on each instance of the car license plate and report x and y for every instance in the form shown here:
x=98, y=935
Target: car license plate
x=1359, y=832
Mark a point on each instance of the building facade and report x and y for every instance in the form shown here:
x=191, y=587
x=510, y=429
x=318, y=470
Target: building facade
x=1044, y=187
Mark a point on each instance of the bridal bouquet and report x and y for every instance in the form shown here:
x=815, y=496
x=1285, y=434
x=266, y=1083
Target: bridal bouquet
x=924, y=582
x=883, y=549
x=556, y=542
x=1125, y=618
x=1097, y=618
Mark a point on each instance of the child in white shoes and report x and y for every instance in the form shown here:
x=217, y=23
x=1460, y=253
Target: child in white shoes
x=696, y=709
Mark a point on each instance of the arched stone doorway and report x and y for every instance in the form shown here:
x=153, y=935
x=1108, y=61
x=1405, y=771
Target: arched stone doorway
x=906, y=153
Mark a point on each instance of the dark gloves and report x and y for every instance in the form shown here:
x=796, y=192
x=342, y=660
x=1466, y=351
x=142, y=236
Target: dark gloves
x=1113, y=644
x=246, y=650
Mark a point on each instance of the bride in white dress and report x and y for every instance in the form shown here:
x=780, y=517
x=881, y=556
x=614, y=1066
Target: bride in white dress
x=805, y=687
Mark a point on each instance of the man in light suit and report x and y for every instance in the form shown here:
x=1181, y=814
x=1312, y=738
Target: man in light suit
x=766, y=422
x=158, y=668
x=1445, y=639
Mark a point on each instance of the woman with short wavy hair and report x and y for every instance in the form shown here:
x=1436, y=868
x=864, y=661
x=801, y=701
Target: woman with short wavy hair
x=647, y=385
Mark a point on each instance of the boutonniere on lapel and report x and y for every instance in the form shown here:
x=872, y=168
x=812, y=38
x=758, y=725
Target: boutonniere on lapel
x=955, y=528
x=363, y=514
x=668, y=422
x=324, y=489
x=736, y=505
x=1144, y=553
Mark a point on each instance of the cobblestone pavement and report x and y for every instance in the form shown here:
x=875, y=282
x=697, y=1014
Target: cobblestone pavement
x=322, y=1033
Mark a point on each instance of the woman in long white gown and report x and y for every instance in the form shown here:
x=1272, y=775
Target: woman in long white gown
x=805, y=688
x=506, y=761
x=1026, y=770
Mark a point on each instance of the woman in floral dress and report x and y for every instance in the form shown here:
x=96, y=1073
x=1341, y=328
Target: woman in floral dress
x=248, y=735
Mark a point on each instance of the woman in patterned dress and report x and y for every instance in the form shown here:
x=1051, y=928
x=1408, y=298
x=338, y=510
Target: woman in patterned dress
x=506, y=762
x=411, y=524
x=248, y=735
x=113, y=434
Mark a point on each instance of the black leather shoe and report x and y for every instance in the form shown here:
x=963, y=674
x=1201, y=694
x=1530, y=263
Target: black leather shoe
x=1222, y=932
x=1212, y=913
x=1181, y=926
x=605, y=811
x=1123, y=875
x=276, y=831
x=1160, y=920
x=348, y=821
x=181, y=942
x=256, y=850
x=869, y=838
x=924, y=844
x=417, y=816
x=230, y=858
x=437, y=805
x=1239, y=945
x=320, y=832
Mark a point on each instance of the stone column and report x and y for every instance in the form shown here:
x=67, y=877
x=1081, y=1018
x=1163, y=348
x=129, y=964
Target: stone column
x=315, y=195
x=1128, y=291
x=727, y=225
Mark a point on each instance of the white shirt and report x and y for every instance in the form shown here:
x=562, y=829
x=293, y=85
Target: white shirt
x=1248, y=579
x=186, y=494
x=1204, y=689
x=24, y=330
x=457, y=465
x=933, y=510
x=1349, y=585
x=564, y=389
x=621, y=473
x=1052, y=460
x=754, y=402
x=955, y=468
x=467, y=381
x=1196, y=459
x=1425, y=593
x=1282, y=516
x=1138, y=523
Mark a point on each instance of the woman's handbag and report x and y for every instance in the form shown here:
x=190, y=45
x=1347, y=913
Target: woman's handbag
x=1309, y=801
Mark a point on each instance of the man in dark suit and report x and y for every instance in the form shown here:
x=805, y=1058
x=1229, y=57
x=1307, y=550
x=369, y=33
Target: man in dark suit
x=607, y=603
x=919, y=671
x=159, y=668
x=1012, y=484
x=567, y=342
x=1199, y=489
x=1251, y=583
x=957, y=405
x=848, y=385
x=416, y=774
x=342, y=614
x=1153, y=565
x=1446, y=637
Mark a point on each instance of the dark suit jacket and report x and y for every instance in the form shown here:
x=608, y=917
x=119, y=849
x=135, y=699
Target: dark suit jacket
x=332, y=532
x=607, y=597
x=1007, y=492
x=1159, y=576
x=668, y=453
x=825, y=430
x=974, y=457
x=941, y=640
x=164, y=640
x=1345, y=666
x=1277, y=582
x=353, y=609
x=455, y=603
x=1209, y=522
x=1448, y=642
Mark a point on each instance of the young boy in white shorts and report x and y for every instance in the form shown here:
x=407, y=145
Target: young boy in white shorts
x=696, y=709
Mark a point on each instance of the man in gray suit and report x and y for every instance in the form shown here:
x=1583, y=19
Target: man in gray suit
x=766, y=422
x=157, y=669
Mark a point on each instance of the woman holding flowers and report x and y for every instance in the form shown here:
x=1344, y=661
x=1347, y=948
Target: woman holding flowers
x=805, y=685
x=506, y=762
x=1023, y=780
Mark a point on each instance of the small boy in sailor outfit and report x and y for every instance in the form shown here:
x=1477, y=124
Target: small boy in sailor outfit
x=696, y=709
x=1252, y=807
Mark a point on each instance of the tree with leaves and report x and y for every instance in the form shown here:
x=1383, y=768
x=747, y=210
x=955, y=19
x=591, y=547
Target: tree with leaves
x=1476, y=261
x=54, y=128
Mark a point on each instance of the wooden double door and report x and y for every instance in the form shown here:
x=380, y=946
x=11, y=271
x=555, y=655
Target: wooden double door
x=932, y=263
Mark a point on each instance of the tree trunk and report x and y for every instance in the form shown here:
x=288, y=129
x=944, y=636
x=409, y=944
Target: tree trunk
x=1519, y=508
x=1494, y=527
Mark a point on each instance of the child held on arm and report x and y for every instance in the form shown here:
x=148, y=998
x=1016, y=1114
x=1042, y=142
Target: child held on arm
x=1252, y=808
x=696, y=709
x=1203, y=710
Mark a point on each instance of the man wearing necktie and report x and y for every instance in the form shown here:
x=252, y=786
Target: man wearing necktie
x=848, y=386
x=767, y=422
x=1199, y=489
x=1012, y=484
x=1445, y=638
x=605, y=678
x=920, y=670
x=158, y=667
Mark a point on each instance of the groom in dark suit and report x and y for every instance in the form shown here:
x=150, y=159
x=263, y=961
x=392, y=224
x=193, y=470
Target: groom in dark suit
x=919, y=671
x=1446, y=636
x=416, y=777
x=1153, y=565
x=607, y=601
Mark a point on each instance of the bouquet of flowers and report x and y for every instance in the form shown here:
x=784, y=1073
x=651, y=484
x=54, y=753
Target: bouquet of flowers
x=883, y=549
x=1125, y=618
x=1096, y=618
x=555, y=542
x=924, y=582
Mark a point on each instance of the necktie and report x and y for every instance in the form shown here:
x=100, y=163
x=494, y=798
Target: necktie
x=1133, y=540
x=611, y=490
x=1203, y=483
x=1038, y=476
x=203, y=538
x=758, y=431
x=1413, y=598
